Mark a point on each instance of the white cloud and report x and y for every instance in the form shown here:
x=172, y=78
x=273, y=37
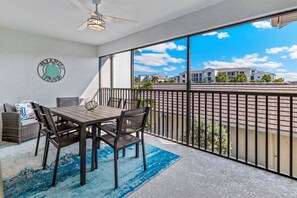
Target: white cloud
x=152, y=59
x=170, y=68
x=280, y=70
x=288, y=76
x=146, y=69
x=163, y=47
x=250, y=60
x=210, y=34
x=220, y=35
x=276, y=50
x=181, y=48
x=293, y=52
x=262, y=24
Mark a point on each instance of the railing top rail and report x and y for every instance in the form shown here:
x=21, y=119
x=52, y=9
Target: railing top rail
x=214, y=91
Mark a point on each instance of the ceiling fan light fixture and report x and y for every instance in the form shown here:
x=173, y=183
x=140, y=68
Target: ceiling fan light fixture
x=96, y=24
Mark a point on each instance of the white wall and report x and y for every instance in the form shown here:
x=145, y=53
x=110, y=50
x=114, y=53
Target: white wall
x=122, y=70
x=20, y=54
x=221, y=14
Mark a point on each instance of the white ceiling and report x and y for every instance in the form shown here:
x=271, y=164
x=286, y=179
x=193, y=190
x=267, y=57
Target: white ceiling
x=60, y=18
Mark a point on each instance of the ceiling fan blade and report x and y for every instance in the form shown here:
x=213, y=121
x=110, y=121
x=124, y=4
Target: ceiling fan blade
x=82, y=26
x=83, y=7
x=117, y=20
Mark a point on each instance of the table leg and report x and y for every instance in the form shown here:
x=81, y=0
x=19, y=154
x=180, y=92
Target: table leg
x=82, y=146
x=94, y=148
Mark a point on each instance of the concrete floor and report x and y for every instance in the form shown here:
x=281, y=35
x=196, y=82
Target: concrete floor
x=197, y=174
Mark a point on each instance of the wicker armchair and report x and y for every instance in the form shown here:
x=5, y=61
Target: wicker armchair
x=16, y=130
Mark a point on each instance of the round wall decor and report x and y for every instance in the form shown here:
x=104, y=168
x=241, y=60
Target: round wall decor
x=51, y=70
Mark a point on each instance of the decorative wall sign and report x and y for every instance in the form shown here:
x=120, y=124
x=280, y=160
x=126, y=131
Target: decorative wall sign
x=51, y=70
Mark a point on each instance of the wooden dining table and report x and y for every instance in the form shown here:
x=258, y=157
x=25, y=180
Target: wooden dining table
x=84, y=118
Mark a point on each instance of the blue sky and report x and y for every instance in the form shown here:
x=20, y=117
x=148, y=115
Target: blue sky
x=255, y=45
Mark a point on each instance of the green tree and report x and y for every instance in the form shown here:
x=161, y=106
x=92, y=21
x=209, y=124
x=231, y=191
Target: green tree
x=201, y=133
x=222, y=77
x=136, y=79
x=155, y=79
x=279, y=80
x=266, y=78
x=147, y=84
x=241, y=77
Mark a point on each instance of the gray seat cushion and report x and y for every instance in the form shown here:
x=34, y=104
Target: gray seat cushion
x=29, y=122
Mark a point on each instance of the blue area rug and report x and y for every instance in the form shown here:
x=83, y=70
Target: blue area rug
x=100, y=183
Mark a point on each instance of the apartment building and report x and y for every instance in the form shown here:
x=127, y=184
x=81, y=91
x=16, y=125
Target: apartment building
x=209, y=74
x=161, y=78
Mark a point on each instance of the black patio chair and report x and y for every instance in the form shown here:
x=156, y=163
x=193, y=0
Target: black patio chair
x=114, y=102
x=130, y=122
x=60, y=136
x=67, y=101
x=41, y=121
x=131, y=104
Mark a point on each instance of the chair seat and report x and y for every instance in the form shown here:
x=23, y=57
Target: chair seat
x=66, y=139
x=109, y=127
x=123, y=141
x=67, y=126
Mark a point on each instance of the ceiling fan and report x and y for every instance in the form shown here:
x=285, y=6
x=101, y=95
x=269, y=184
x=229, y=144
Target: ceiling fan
x=97, y=21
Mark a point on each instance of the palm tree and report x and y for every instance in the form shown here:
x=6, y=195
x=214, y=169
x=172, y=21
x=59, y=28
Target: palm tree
x=154, y=79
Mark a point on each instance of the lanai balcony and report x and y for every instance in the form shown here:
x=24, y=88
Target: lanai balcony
x=203, y=138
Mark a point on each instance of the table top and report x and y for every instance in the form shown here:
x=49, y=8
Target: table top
x=80, y=115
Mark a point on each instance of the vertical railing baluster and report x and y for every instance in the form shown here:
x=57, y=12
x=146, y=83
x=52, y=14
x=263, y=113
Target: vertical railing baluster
x=246, y=128
x=237, y=128
x=172, y=123
x=291, y=136
x=199, y=119
x=177, y=115
x=151, y=113
x=205, y=122
x=266, y=133
x=155, y=121
x=163, y=109
x=212, y=123
x=220, y=129
x=167, y=114
x=278, y=134
x=182, y=127
x=193, y=118
x=228, y=124
x=256, y=130
x=159, y=121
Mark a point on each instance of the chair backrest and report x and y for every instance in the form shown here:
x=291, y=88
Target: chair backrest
x=132, y=121
x=38, y=113
x=114, y=102
x=9, y=108
x=50, y=123
x=131, y=104
x=67, y=101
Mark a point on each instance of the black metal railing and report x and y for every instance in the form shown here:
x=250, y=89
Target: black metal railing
x=258, y=129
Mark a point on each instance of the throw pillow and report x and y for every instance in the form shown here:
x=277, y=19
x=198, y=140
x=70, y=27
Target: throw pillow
x=26, y=111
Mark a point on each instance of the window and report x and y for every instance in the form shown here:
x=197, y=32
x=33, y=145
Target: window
x=161, y=62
